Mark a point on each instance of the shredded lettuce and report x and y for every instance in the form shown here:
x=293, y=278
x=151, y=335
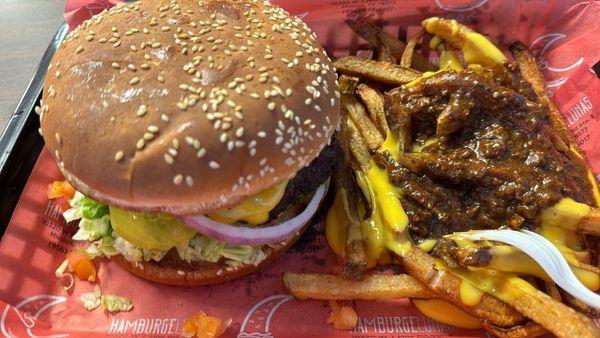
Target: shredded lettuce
x=112, y=303
x=92, y=209
x=75, y=212
x=95, y=226
x=91, y=300
x=102, y=247
x=92, y=229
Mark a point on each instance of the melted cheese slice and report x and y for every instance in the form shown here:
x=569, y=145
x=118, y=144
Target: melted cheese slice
x=253, y=210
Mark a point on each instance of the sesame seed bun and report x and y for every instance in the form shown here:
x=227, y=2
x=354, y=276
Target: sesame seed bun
x=171, y=270
x=183, y=108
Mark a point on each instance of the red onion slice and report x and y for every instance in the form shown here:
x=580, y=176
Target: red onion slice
x=254, y=236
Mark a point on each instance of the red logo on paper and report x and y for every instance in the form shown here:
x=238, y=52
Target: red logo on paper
x=257, y=322
x=540, y=46
x=21, y=320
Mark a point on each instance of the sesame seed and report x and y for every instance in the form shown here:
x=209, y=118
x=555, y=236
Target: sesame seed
x=140, y=144
x=79, y=49
x=178, y=179
x=239, y=132
x=145, y=66
x=189, y=181
x=133, y=48
x=182, y=106
x=168, y=159
x=89, y=38
x=134, y=81
x=271, y=106
x=161, y=79
x=164, y=118
x=131, y=67
x=119, y=156
x=201, y=152
x=214, y=165
x=142, y=110
x=165, y=28
x=156, y=45
x=261, y=134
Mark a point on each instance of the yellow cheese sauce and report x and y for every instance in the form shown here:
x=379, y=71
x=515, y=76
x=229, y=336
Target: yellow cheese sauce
x=449, y=60
x=470, y=295
x=502, y=285
x=479, y=50
x=336, y=225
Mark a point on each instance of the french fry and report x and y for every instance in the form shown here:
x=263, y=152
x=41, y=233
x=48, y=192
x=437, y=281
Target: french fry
x=347, y=84
x=408, y=54
x=590, y=224
x=357, y=146
x=454, y=33
x=528, y=330
x=532, y=74
x=383, y=52
x=556, y=317
x=355, y=262
x=375, y=104
x=477, y=49
x=561, y=137
x=375, y=35
x=376, y=70
x=509, y=259
x=372, y=287
x=358, y=114
x=578, y=305
x=447, y=285
x=552, y=291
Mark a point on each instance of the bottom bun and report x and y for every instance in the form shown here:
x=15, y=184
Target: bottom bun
x=172, y=270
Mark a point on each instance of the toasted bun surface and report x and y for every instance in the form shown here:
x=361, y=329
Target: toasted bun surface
x=171, y=270
x=177, y=107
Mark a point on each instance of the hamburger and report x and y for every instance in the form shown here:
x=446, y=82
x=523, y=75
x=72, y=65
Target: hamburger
x=197, y=134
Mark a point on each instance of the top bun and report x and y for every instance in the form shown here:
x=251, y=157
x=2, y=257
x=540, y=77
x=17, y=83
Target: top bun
x=187, y=106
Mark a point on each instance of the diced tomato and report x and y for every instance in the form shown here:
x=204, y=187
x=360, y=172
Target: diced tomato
x=343, y=317
x=67, y=190
x=58, y=189
x=55, y=189
x=202, y=325
x=82, y=266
